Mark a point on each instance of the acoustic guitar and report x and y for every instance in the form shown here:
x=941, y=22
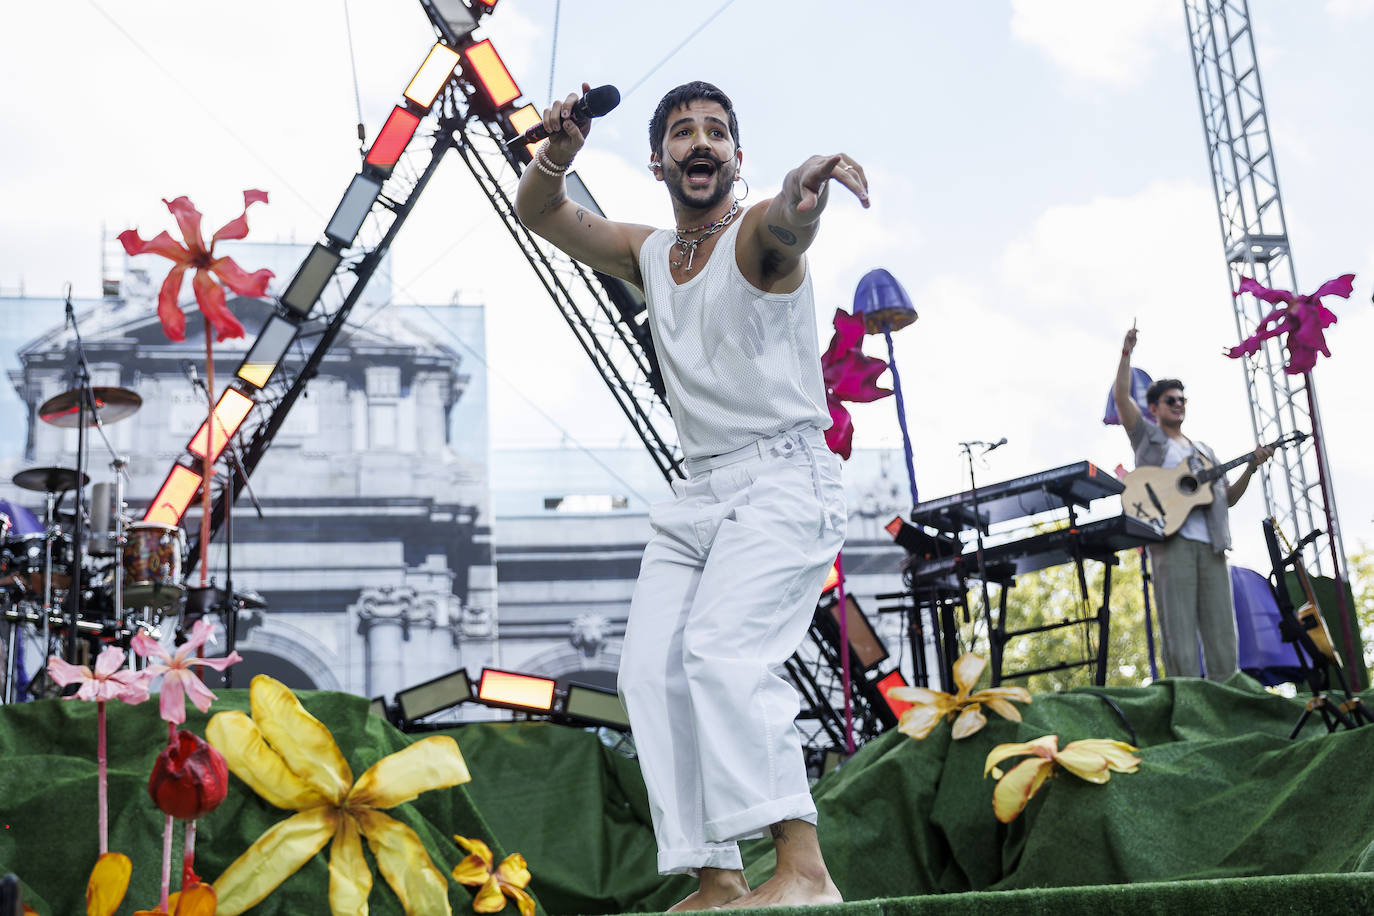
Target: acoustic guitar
x=1309, y=615
x=1163, y=497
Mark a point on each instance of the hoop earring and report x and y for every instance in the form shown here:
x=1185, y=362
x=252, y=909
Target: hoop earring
x=738, y=179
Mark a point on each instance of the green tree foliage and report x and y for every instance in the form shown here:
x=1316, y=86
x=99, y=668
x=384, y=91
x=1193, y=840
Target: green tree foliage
x=1360, y=567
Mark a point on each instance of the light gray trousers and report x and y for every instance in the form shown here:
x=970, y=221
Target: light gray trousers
x=1193, y=599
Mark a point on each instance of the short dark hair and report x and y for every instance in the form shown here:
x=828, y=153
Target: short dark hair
x=689, y=92
x=1156, y=390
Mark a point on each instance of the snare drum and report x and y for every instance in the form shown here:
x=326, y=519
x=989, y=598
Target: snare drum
x=152, y=565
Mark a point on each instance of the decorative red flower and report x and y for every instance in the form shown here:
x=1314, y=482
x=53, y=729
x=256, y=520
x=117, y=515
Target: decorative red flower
x=189, y=778
x=849, y=376
x=1302, y=318
x=195, y=254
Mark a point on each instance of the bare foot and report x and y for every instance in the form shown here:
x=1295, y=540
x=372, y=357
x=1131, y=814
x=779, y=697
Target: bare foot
x=792, y=890
x=718, y=888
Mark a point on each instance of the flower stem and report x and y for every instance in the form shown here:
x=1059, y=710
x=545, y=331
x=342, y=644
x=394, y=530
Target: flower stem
x=209, y=450
x=166, y=863
x=189, y=860
x=102, y=796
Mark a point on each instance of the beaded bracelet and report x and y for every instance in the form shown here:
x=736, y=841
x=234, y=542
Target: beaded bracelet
x=547, y=165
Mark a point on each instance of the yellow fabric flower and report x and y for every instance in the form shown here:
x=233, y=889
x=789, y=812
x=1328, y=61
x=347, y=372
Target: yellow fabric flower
x=930, y=706
x=108, y=883
x=196, y=900
x=1093, y=759
x=507, y=879
x=289, y=758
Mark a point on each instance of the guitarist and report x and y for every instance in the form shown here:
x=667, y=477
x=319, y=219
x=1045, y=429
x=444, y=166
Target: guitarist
x=1192, y=583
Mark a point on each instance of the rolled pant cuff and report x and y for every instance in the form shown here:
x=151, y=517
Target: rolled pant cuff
x=688, y=861
x=755, y=821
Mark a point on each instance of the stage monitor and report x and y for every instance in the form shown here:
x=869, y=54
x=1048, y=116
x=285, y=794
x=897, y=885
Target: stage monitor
x=862, y=638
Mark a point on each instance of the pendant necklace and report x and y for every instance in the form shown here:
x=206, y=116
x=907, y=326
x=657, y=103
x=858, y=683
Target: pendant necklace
x=689, y=246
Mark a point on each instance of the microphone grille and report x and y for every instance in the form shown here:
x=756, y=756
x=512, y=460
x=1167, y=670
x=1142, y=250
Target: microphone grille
x=601, y=100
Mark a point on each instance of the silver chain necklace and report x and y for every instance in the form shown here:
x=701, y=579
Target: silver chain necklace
x=689, y=246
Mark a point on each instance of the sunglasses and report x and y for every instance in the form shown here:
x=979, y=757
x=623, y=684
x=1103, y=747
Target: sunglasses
x=1175, y=402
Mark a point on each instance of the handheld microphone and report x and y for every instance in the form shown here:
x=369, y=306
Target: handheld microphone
x=594, y=104
x=188, y=369
x=998, y=444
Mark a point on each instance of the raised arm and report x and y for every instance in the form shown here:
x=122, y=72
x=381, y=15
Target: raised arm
x=776, y=233
x=1126, y=407
x=542, y=203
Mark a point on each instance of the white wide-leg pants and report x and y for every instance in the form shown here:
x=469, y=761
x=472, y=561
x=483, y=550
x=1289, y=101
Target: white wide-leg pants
x=726, y=591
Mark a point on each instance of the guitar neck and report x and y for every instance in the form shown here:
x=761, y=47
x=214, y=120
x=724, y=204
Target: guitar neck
x=1212, y=474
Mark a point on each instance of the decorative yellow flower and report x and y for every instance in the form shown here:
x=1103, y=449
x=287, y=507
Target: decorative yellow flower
x=1092, y=759
x=289, y=758
x=930, y=706
x=509, y=878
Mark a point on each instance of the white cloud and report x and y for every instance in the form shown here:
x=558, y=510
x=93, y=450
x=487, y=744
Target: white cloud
x=1097, y=41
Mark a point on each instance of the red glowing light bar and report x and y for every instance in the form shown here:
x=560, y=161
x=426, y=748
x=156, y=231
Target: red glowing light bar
x=490, y=74
x=894, y=679
x=510, y=690
x=176, y=494
x=832, y=578
x=391, y=142
x=229, y=415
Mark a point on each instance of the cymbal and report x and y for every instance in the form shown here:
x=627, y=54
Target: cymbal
x=112, y=403
x=49, y=480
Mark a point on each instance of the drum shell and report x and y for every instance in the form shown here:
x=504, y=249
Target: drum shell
x=153, y=555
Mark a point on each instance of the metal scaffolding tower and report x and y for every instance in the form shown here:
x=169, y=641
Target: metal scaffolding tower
x=1254, y=234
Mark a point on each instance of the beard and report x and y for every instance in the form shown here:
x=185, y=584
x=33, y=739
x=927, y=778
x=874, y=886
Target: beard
x=724, y=177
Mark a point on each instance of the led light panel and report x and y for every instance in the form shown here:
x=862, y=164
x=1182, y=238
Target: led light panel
x=266, y=353
x=391, y=142
x=229, y=415
x=601, y=707
x=894, y=679
x=432, y=696
x=310, y=280
x=176, y=494
x=489, y=73
x=432, y=75
x=515, y=691
x=352, y=210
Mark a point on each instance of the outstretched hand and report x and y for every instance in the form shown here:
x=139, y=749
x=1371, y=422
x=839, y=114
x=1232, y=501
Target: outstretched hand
x=566, y=136
x=817, y=171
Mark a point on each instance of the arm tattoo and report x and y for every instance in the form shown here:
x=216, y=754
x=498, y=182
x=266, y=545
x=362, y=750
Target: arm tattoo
x=552, y=201
x=782, y=235
x=779, y=834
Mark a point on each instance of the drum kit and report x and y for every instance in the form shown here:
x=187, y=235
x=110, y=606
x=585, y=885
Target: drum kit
x=90, y=576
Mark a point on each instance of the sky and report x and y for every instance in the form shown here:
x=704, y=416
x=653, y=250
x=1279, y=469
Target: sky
x=1037, y=169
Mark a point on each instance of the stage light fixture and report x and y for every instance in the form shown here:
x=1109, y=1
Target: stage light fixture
x=266, y=353
x=596, y=705
x=521, y=120
x=862, y=638
x=432, y=75
x=310, y=279
x=378, y=707
x=455, y=19
x=219, y=428
x=434, y=695
x=176, y=494
x=511, y=690
x=487, y=71
x=391, y=141
x=893, y=679
x=832, y=578
x=352, y=210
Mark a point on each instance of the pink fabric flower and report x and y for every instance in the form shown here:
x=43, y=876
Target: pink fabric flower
x=110, y=680
x=178, y=678
x=849, y=376
x=1302, y=318
x=195, y=254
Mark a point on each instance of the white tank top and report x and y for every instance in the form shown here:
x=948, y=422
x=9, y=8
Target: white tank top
x=738, y=364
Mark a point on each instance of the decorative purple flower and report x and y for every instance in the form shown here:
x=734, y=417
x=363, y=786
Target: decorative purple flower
x=1302, y=318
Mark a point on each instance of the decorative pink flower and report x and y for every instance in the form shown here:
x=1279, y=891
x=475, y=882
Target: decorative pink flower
x=849, y=376
x=110, y=680
x=195, y=254
x=1302, y=318
x=178, y=678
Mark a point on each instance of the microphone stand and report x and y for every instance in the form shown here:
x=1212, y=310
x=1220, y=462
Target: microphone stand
x=994, y=645
x=230, y=611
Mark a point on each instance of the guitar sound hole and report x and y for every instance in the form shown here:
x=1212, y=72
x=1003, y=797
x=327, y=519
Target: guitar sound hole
x=1187, y=485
